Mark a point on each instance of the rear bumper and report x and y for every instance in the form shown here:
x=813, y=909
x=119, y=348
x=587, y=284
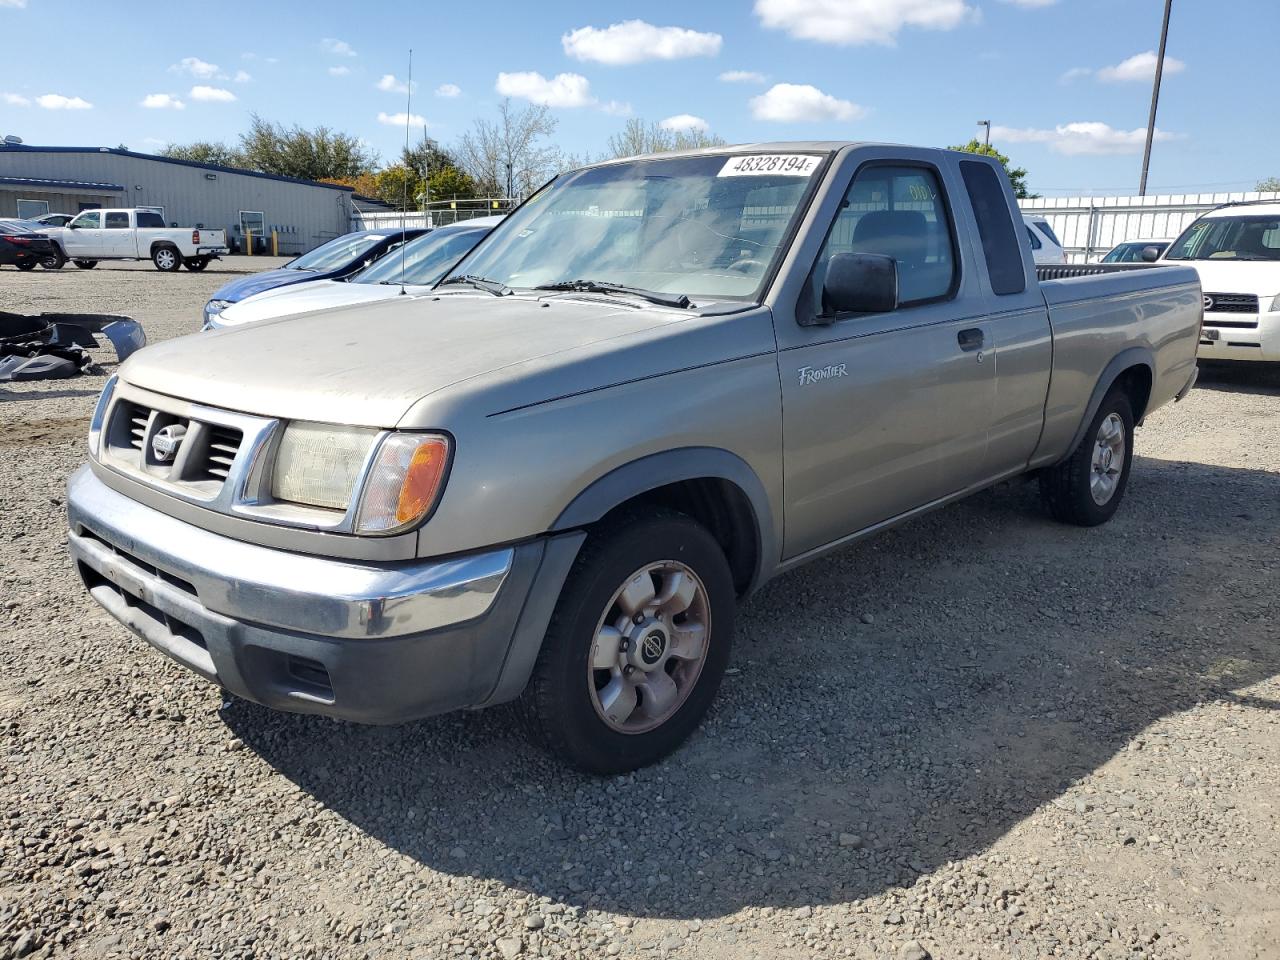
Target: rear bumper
x=213, y=252
x=1249, y=337
x=373, y=643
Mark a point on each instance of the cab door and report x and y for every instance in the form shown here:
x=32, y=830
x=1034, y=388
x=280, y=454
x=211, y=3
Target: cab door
x=118, y=234
x=83, y=237
x=886, y=412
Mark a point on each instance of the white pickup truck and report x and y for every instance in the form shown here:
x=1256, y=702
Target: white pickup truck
x=135, y=234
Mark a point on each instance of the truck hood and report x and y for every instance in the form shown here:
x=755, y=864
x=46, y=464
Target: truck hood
x=367, y=364
x=1259, y=277
x=307, y=297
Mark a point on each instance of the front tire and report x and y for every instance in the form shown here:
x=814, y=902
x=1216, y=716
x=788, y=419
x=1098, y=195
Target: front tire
x=166, y=259
x=1087, y=487
x=54, y=261
x=637, y=646
x=85, y=264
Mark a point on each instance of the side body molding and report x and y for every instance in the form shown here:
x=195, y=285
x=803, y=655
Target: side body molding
x=672, y=466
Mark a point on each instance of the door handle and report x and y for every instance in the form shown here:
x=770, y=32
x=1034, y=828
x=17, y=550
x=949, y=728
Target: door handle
x=970, y=339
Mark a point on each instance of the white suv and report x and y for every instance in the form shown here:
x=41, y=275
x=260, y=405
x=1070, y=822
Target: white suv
x=1045, y=246
x=1236, y=251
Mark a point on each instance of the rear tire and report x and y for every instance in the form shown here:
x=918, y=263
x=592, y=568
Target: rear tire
x=25, y=265
x=196, y=264
x=85, y=264
x=1087, y=487
x=166, y=259
x=611, y=693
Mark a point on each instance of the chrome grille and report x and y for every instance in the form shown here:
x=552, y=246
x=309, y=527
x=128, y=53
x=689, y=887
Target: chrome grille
x=223, y=445
x=1231, y=303
x=138, y=417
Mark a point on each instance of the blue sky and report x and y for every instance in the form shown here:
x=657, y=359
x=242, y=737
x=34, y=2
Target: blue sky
x=1066, y=83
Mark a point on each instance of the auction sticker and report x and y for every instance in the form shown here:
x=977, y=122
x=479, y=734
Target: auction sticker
x=771, y=164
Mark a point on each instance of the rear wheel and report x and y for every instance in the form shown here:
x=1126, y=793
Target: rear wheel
x=24, y=265
x=196, y=263
x=637, y=647
x=166, y=259
x=1087, y=487
x=85, y=264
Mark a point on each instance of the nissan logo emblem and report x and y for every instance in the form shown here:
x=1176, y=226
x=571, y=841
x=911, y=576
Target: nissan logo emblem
x=651, y=648
x=165, y=443
x=1208, y=303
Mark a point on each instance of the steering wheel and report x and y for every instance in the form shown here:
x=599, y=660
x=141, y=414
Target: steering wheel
x=746, y=265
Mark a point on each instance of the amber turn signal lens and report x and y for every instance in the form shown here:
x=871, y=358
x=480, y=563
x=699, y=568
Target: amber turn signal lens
x=404, y=482
x=422, y=480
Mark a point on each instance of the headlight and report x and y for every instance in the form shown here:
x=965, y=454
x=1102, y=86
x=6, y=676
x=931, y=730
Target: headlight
x=318, y=464
x=321, y=465
x=100, y=416
x=1275, y=304
x=212, y=309
x=404, y=482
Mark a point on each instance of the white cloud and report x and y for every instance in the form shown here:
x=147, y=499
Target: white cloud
x=390, y=84
x=337, y=47
x=562, y=90
x=242, y=76
x=742, y=76
x=56, y=101
x=211, y=94
x=15, y=4
x=1075, y=73
x=162, y=101
x=195, y=67
x=633, y=41
x=448, y=90
x=617, y=108
x=401, y=118
x=859, y=21
x=1081, y=137
x=796, y=102
x=339, y=71
x=684, y=122
x=16, y=100
x=1141, y=66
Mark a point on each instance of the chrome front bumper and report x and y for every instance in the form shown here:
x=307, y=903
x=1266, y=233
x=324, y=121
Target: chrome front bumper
x=364, y=641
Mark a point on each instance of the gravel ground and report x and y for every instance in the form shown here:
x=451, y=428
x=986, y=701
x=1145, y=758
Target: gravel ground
x=979, y=735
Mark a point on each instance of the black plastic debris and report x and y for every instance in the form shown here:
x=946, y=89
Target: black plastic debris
x=53, y=346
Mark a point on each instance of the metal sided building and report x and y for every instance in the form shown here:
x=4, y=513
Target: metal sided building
x=304, y=214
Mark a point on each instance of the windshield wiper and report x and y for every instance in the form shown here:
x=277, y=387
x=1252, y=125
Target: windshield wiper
x=496, y=287
x=678, y=300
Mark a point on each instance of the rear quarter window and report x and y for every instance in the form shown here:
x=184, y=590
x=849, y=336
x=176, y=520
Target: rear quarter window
x=1000, y=245
x=148, y=219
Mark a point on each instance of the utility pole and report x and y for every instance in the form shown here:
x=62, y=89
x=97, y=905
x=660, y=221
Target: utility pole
x=986, y=124
x=1155, y=100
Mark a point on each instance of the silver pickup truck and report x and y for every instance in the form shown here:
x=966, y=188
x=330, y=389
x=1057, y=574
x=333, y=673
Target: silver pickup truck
x=659, y=383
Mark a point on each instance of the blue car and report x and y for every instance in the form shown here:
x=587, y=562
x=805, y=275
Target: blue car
x=335, y=260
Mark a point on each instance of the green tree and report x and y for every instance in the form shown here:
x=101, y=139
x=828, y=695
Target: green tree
x=306, y=154
x=639, y=137
x=1269, y=185
x=1017, y=175
x=398, y=186
x=450, y=183
x=205, y=151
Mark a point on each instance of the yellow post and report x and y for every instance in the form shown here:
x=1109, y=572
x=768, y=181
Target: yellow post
x=248, y=243
x=275, y=243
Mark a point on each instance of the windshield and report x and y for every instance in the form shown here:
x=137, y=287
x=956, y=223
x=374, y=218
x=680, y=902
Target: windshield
x=426, y=259
x=1229, y=238
x=705, y=226
x=336, y=253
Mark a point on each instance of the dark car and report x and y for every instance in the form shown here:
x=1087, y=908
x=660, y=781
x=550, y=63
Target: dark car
x=55, y=219
x=23, y=245
x=335, y=260
x=1130, y=251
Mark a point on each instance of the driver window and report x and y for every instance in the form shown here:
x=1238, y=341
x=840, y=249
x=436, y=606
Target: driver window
x=89, y=220
x=897, y=212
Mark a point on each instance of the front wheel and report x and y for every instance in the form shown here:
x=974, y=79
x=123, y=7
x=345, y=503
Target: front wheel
x=197, y=263
x=166, y=259
x=54, y=261
x=85, y=264
x=637, y=646
x=1087, y=487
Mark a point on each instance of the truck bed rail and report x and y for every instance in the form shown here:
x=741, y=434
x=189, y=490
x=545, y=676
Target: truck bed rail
x=1063, y=271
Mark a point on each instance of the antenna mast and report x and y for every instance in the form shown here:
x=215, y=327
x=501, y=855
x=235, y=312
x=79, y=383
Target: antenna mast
x=404, y=204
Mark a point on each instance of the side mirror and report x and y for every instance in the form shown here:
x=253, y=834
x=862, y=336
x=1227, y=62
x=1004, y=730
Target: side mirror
x=860, y=283
x=73, y=225
x=1150, y=254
